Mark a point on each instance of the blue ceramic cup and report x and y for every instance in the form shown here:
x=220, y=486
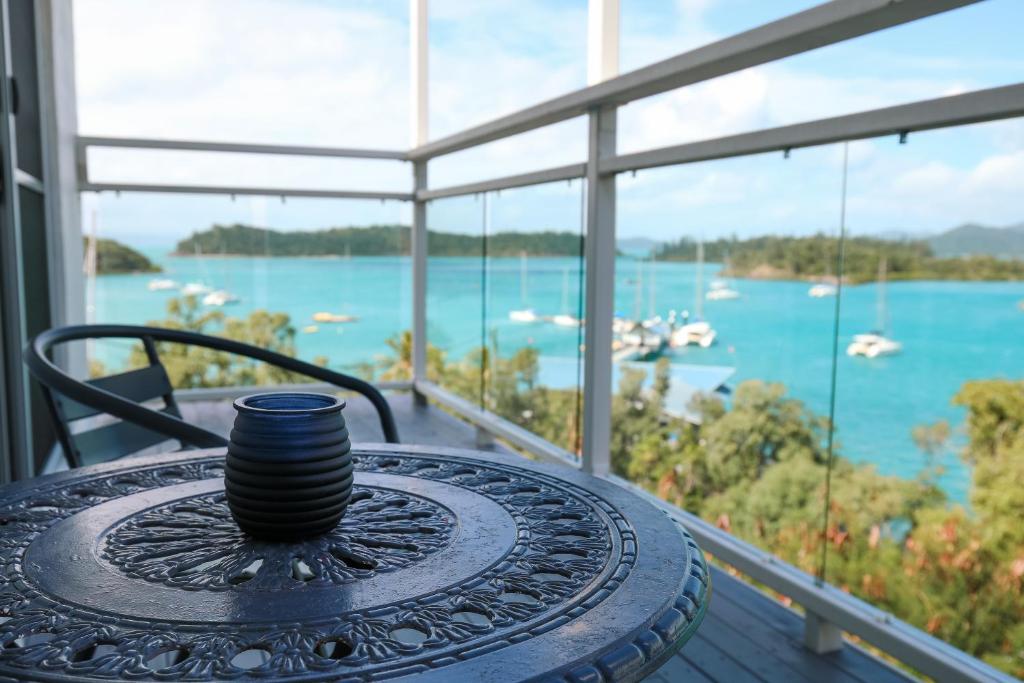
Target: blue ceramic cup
x=289, y=466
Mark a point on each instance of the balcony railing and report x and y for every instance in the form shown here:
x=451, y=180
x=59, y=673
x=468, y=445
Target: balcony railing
x=829, y=610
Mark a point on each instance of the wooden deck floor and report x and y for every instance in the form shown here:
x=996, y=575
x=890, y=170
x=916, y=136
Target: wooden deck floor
x=746, y=637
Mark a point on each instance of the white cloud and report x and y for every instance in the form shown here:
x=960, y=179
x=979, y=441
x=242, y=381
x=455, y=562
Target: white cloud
x=933, y=195
x=242, y=70
x=336, y=74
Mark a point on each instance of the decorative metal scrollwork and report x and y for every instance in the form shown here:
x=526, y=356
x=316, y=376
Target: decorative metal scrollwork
x=571, y=551
x=195, y=544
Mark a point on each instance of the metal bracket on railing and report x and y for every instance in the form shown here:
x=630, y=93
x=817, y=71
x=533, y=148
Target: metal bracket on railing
x=821, y=636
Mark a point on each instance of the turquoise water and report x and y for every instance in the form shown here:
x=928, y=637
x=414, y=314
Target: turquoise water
x=951, y=331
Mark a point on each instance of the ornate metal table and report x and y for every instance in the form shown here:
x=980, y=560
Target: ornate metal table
x=446, y=567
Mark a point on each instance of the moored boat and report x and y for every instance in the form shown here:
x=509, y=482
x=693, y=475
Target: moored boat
x=872, y=345
x=328, y=317
x=220, y=297
x=523, y=315
x=876, y=343
x=162, y=284
x=822, y=290
x=195, y=289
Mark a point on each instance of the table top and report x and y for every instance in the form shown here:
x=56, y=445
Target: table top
x=448, y=565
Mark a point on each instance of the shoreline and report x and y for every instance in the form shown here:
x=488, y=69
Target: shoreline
x=765, y=274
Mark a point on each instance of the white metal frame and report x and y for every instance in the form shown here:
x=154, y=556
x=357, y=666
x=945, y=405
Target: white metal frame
x=14, y=418
x=86, y=141
x=244, y=190
x=56, y=41
x=602, y=40
x=828, y=609
x=419, y=113
x=822, y=25
x=599, y=263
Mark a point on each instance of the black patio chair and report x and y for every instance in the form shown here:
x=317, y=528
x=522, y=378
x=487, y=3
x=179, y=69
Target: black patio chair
x=122, y=395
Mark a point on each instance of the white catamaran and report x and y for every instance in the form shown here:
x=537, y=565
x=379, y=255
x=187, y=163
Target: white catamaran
x=524, y=314
x=565, y=319
x=876, y=343
x=220, y=297
x=699, y=332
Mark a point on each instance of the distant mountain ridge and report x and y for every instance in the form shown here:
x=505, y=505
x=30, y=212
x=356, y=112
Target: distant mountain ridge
x=638, y=246
x=974, y=239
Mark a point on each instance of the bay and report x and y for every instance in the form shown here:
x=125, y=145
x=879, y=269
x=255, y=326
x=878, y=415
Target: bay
x=951, y=332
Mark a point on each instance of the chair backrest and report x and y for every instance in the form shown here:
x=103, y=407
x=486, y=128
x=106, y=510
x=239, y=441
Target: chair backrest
x=112, y=439
x=122, y=395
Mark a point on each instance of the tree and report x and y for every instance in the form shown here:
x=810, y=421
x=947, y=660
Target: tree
x=398, y=365
x=194, y=366
x=758, y=468
x=995, y=451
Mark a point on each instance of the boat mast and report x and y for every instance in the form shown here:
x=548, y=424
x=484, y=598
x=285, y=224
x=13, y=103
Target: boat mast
x=565, y=291
x=699, y=303
x=90, y=273
x=522, y=277
x=882, y=312
x=638, y=291
x=652, y=308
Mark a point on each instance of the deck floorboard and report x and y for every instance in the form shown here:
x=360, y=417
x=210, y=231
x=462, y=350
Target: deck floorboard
x=746, y=637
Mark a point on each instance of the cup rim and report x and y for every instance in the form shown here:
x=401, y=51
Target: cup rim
x=325, y=403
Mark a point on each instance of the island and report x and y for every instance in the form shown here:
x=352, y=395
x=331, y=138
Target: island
x=372, y=240
x=769, y=257
x=114, y=258
x=814, y=258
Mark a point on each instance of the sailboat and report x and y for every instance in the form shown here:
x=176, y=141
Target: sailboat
x=524, y=314
x=826, y=286
x=698, y=332
x=641, y=338
x=221, y=297
x=721, y=291
x=329, y=316
x=198, y=288
x=564, y=319
x=875, y=343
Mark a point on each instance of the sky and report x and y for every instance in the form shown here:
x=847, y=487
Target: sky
x=335, y=73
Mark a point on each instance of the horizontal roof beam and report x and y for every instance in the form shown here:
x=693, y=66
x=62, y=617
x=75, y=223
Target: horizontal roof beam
x=239, y=148
x=231, y=191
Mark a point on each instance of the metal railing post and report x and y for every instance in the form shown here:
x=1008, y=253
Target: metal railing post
x=418, y=249
x=599, y=262
x=418, y=133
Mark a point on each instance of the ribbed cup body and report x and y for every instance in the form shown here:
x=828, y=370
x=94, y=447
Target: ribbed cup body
x=289, y=465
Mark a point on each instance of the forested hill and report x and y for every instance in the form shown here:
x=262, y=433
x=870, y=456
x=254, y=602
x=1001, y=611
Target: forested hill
x=975, y=239
x=113, y=258
x=373, y=240
x=808, y=258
